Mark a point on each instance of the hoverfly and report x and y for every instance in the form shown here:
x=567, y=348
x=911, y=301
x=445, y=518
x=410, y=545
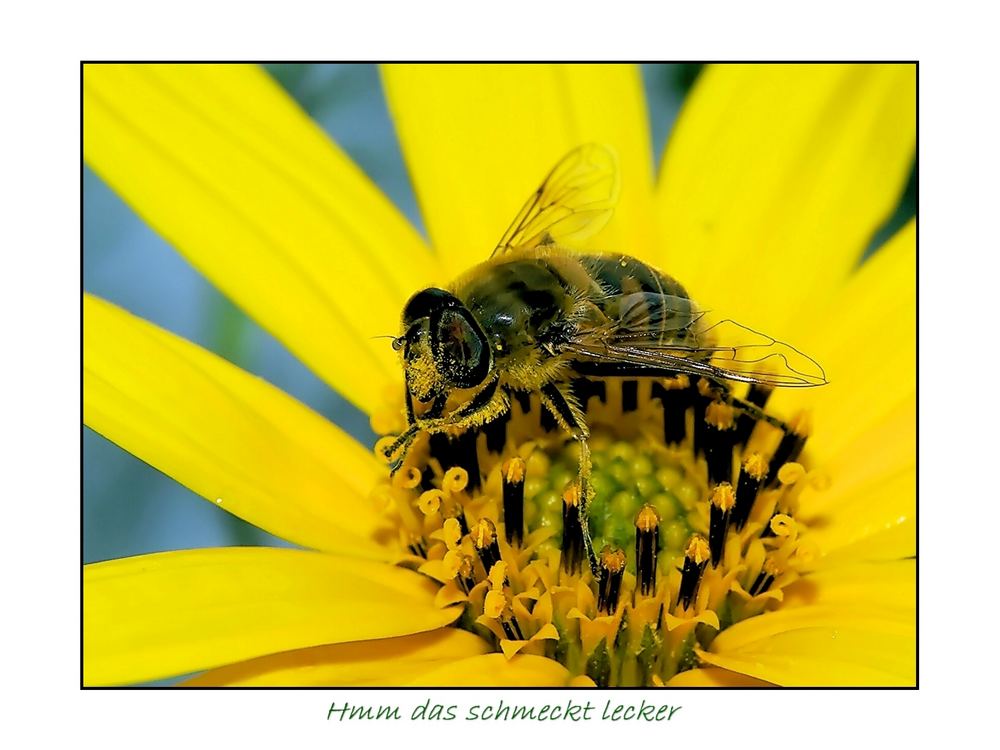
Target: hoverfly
x=537, y=315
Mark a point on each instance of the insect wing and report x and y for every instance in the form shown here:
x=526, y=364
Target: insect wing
x=665, y=333
x=575, y=201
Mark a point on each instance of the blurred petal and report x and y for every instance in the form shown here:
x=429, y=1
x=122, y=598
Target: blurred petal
x=227, y=435
x=877, y=522
x=775, y=179
x=479, y=139
x=165, y=614
x=494, y=670
x=387, y=662
x=849, y=626
x=222, y=163
x=866, y=339
x=714, y=677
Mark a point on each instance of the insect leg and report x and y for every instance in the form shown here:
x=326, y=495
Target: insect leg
x=570, y=417
x=402, y=443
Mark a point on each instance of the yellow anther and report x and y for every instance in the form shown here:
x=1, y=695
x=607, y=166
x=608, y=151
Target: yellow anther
x=498, y=575
x=381, y=446
x=705, y=388
x=455, y=479
x=408, y=478
x=430, y=502
x=457, y=563
x=720, y=415
x=723, y=496
x=755, y=465
x=451, y=531
x=513, y=469
x=484, y=533
x=791, y=473
x=647, y=518
x=572, y=494
x=697, y=549
x=771, y=567
x=612, y=560
x=782, y=525
x=494, y=604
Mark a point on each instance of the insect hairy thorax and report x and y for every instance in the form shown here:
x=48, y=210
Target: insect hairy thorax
x=536, y=317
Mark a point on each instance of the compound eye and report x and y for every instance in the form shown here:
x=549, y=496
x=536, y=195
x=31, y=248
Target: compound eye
x=460, y=349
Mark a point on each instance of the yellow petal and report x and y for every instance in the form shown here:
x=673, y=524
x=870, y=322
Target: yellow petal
x=222, y=163
x=494, y=670
x=232, y=438
x=175, y=612
x=876, y=522
x=387, y=662
x=866, y=340
x=849, y=626
x=775, y=179
x=714, y=677
x=479, y=139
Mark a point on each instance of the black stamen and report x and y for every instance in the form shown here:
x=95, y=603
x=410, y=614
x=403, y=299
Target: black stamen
x=512, y=480
x=719, y=440
x=701, y=397
x=630, y=395
x=789, y=449
x=465, y=578
x=484, y=539
x=459, y=450
x=752, y=473
x=572, y=536
x=691, y=574
x=647, y=547
x=584, y=388
x=509, y=630
x=496, y=433
x=613, y=570
x=523, y=398
x=676, y=396
x=758, y=396
x=719, y=511
x=761, y=583
x=548, y=421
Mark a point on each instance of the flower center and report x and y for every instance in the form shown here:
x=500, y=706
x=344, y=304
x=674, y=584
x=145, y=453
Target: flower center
x=690, y=505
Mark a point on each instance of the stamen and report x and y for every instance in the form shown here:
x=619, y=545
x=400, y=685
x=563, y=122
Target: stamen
x=461, y=564
x=789, y=448
x=460, y=451
x=484, y=539
x=676, y=396
x=523, y=399
x=584, y=388
x=720, y=437
x=702, y=396
x=722, y=502
x=613, y=569
x=496, y=433
x=512, y=480
x=572, y=536
x=758, y=396
x=630, y=396
x=695, y=559
x=647, y=547
x=751, y=475
x=765, y=578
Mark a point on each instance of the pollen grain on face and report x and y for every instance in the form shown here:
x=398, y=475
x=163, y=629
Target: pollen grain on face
x=690, y=505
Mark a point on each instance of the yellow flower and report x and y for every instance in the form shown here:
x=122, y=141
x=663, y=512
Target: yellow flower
x=775, y=179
